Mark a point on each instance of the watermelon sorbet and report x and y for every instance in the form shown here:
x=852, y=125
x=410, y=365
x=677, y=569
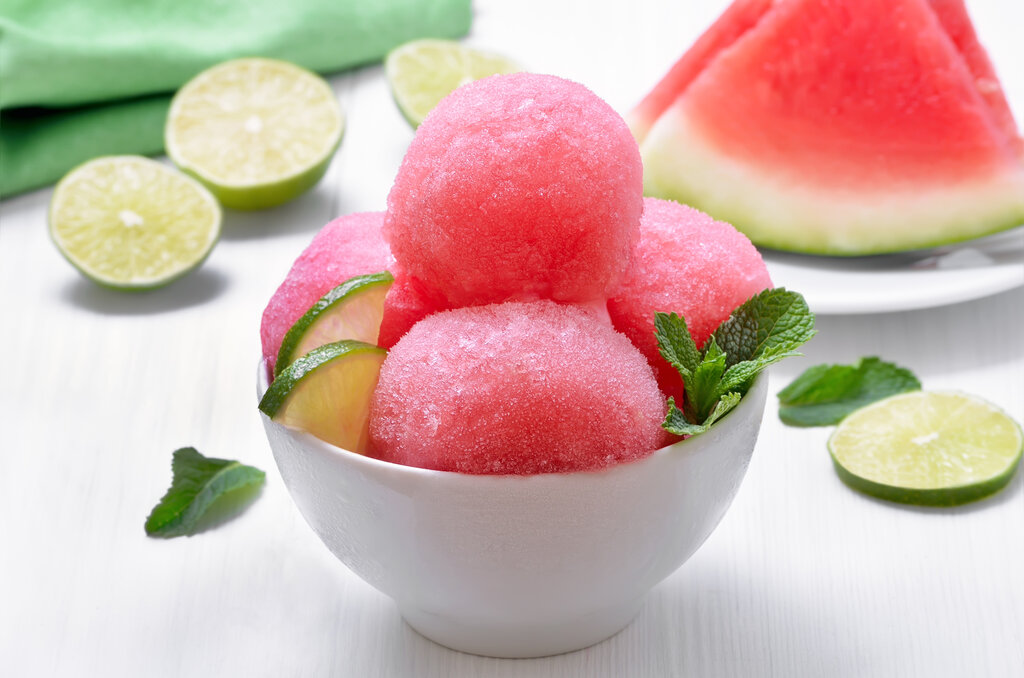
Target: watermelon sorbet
x=515, y=388
x=686, y=263
x=518, y=187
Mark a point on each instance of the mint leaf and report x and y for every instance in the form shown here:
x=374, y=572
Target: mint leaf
x=198, y=483
x=740, y=376
x=675, y=343
x=765, y=329
x=824, y=394
x=675, y=422
x=772, y=323
x=701, y=386
x=822, y=384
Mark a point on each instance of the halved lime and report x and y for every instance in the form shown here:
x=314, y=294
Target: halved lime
x=423, y=72
x=928, y=448
x=257, y=132
x=130, y=223
x=352, y=310
x=327, y=393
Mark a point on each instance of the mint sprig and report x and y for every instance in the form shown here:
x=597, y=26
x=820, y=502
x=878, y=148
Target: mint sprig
x=765, y=329
x=198, y=484
x=824, y=394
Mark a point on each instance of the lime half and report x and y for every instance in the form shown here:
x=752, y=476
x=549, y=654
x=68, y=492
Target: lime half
x=423, y=72
x=352, y=310
x=129, y=222
x=327, y=393
x=928, y=448
x=256, y=132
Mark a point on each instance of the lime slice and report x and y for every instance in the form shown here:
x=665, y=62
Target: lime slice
x=130, y=223
x=352, y=310
x=257, y=132
x=327, y=393
x=929, y=448
x=423, y=72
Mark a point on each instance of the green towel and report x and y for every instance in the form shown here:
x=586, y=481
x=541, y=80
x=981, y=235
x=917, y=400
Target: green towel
x=89, y=78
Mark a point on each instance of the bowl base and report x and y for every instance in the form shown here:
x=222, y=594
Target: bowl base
x=520, y=641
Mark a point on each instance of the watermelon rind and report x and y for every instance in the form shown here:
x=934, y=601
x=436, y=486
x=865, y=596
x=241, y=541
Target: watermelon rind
x=777, y=212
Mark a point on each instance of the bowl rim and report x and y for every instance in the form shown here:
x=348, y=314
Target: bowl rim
x=262, y=383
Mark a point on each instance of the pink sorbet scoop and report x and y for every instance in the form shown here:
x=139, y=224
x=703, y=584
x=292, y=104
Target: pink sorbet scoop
x=515, y=388
x=687, y=263
x=518, y=187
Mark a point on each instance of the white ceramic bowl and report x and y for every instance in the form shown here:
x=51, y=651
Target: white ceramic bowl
x=518, y=566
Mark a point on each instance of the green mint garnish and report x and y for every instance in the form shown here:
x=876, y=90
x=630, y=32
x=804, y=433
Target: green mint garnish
x=824, y=394
x=675, y=422
x=675, y=343
x=765, y=329
x=198, y=483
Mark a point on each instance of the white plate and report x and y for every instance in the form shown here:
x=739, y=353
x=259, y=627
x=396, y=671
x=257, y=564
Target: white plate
x=900, y=282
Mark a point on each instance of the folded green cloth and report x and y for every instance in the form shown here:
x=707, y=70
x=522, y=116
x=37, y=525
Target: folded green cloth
x=81, y=79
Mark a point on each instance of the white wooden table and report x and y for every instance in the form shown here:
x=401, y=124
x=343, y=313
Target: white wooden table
x=803, y=577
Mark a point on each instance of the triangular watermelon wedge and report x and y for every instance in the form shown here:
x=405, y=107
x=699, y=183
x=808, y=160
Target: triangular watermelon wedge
x=840, y=127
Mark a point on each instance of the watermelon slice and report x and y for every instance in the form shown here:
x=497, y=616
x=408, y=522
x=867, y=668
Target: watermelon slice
x=739, y=17
x=840, y=127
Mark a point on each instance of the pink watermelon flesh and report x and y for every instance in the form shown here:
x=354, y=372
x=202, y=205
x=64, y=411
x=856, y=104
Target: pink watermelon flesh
x=515, y=388
x=887, y=103
x=687, y=263
x=739, y=17
x=348, y=246
x=954, y=19
x=518, y=187
x=895, y=48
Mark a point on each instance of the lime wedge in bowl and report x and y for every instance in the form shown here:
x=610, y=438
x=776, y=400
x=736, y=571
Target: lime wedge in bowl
x=423, y=72
x=927, y=448
x=130, y=223
x=327, y=393
x=352, y=310
x=256, y=132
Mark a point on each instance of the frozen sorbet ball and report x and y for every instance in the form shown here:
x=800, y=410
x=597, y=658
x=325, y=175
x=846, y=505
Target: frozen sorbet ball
x=518, y=187
x=348, y=246
x=515, y=388
x=688, y=263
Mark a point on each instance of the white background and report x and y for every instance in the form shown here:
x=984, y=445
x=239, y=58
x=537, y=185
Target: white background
x=803, y=577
